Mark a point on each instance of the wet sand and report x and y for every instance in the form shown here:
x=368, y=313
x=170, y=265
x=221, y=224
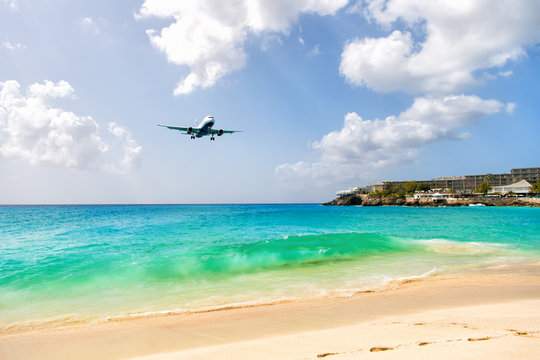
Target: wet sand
x=492, y=315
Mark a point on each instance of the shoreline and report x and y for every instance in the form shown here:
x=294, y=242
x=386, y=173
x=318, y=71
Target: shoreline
x=366, y=200
x=70, y=321
x=247, y=330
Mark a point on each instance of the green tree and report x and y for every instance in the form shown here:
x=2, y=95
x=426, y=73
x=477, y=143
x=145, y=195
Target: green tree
x=484, y=187
x=409, y=187
x=423, y=187
x=535, y=188
x=389, y=187
x=396, y=195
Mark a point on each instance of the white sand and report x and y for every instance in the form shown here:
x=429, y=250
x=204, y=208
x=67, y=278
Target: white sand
x=468, y=317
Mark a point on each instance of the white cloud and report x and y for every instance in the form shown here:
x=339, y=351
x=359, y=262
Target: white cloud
x=445, y=43
x=93, y=26
x=11, y=3
x=131, y=151
x=48, y=89
x=89, y=25
x=31, y=129
x=365, y=145
x=510, y=107
x=315, y=51
x=267, y=40
x=87, y=21
x=208, y=36
x=10, y=46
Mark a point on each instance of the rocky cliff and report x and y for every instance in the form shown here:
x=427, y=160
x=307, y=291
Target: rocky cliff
x=366, y=200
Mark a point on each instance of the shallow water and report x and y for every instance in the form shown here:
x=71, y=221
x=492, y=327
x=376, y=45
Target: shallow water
x=61, y=264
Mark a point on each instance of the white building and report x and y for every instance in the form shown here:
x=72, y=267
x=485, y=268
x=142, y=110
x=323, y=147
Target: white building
x=354, y=191
x=520, y=188
x=346, y=192
x=435, y=196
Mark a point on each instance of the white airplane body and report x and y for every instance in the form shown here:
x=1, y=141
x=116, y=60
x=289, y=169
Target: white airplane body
x=204, y=129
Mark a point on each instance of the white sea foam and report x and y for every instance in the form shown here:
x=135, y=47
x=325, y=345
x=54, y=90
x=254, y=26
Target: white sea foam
x=421, y=276
x=444, y=246
x=382, y=284
x=196, y=310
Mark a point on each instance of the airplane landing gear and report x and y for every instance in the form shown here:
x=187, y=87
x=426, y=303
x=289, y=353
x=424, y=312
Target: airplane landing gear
x=192, y=137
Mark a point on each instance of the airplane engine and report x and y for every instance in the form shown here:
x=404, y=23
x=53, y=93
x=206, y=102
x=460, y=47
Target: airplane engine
x=189, y=130
x=220, y=132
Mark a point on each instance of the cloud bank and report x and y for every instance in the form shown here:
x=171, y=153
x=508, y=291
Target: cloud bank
x=10, y=46
x=445, y=43
x=208, y=36
x=363, y=145
x=31, y=129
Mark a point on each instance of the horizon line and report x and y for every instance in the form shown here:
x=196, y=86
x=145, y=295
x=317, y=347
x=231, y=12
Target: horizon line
x=159, y=204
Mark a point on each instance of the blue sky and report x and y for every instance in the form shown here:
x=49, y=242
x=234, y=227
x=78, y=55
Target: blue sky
x=329, y=94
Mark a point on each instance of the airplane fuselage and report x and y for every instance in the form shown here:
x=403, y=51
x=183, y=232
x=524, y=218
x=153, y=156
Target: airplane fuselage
x=205, y=126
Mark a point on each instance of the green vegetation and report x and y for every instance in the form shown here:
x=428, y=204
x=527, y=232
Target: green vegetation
x=409, y=187
x=400, y=191
x=484, y=186
x=535, y=188
x=387, y=194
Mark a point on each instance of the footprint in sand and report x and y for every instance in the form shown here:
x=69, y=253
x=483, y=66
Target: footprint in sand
x=380, y=348
x=524, y=333
x=479, y=339
x=326, y=354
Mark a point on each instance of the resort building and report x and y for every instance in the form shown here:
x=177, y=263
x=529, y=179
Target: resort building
x=377, y=187
x=355, y=191
x=469, y=183
x=520, y=188
x=419, y=195
x=464, y=184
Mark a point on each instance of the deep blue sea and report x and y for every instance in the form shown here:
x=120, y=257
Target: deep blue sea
x=66, y=264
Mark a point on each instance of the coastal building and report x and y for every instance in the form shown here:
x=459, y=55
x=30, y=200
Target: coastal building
x=532, y=175
x=434, y=196
x=464, y=185
x=356, y=191
x=469, y=183
x=522, y=187
x=377, y=187
x=345, y=192
x=361, y=190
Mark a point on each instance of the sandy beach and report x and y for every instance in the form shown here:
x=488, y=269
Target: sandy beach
x=492, y=315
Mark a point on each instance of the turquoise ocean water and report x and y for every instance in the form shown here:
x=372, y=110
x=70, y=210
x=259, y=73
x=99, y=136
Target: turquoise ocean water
x=66, y=264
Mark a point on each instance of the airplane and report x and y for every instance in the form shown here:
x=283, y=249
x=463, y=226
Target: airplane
x=204, y=128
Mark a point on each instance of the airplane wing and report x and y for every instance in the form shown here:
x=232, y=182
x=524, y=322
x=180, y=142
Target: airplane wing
x=214, y=132
x=184, y=130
